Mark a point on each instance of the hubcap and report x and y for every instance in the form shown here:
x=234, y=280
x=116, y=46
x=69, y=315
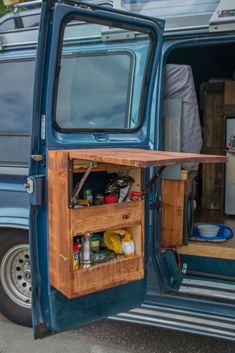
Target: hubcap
x=15, y=275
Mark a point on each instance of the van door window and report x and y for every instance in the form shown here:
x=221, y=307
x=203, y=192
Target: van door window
x=97, y=88
x=96, y=81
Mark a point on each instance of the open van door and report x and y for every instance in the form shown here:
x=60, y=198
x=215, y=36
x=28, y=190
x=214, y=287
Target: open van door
x=89, y=61
x=90, y=156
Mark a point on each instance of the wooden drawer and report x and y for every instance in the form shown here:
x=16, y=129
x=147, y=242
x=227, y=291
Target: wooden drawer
x=104, y=217
x=108, y=275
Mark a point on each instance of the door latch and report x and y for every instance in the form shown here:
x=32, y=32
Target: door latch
x=29, y=186
x=35, y=186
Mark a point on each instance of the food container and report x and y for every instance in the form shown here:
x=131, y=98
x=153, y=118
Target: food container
x=208, y=230
x=95, y=242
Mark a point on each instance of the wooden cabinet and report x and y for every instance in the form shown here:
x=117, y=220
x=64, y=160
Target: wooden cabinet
x=173, y=210
x=65, y=169
x=66, y=222
x=218, y=103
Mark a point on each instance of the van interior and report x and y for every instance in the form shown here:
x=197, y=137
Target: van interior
x=199, y=249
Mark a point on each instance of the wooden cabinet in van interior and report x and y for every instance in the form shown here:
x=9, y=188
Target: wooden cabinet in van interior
x=65, y=169
x=218, y=105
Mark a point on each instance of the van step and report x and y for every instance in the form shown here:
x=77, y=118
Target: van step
x=208, y=289
x=181, y=319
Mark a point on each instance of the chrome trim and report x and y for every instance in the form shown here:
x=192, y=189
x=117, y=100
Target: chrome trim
x=15, y=45
x=202, y=292
x=189, y=321
x=186, y=29
x=14, y=226
x=200, y=283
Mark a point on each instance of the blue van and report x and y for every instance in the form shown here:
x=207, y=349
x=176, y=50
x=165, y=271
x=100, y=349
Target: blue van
x=100, y=151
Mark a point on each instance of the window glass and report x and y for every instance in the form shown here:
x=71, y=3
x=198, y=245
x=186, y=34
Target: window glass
x=31, y=21
x=96, y=88
x=94, y=91
x=16, y=95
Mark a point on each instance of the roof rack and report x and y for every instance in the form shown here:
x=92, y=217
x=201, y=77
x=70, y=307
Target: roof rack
x=20, y=27
x=27, y=4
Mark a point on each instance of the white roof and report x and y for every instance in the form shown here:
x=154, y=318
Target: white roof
x=178, y=14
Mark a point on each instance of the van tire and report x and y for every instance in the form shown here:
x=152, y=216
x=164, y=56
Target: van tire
x=15, y=278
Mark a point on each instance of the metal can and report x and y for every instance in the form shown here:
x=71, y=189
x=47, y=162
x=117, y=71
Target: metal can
x=76, y=253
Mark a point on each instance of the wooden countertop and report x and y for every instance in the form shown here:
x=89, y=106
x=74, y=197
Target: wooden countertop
x=135, y=157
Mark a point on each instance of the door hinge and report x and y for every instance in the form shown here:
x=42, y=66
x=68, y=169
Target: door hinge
x=37, y=157
x=157, y=205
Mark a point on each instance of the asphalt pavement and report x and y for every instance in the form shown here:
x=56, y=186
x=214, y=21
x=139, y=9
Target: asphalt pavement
x=107, y=336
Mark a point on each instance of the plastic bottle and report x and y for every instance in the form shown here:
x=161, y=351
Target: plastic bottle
x=128, y=245
x=87, y=195
x=75, y=256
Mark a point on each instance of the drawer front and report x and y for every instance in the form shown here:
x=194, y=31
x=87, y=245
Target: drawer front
x=99, y=218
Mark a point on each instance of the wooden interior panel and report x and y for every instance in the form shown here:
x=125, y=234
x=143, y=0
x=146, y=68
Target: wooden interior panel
x=80, y=166
x=60, y=244
x=229, y=93
x=213, y=129
x=173, y=192
x=137, y=232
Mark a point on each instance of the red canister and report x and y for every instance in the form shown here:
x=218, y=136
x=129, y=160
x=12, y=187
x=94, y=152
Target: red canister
x=110, y=199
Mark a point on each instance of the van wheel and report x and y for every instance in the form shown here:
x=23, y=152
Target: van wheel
x=15, y=277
